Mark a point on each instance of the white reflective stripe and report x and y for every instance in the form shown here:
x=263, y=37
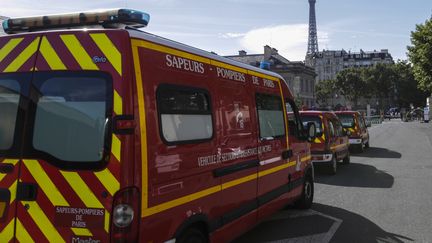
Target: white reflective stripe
x=170, y=241
x=269, y=161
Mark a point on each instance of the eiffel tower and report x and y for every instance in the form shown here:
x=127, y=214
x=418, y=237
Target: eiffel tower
x=313, y=38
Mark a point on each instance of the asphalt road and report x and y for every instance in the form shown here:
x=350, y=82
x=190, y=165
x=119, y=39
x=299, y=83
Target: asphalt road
x=384, y=195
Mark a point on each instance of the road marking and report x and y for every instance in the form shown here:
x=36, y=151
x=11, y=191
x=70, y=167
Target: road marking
x=321, y=238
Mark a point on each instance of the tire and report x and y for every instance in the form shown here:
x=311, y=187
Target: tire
x=360, y=148
x=347, y=159
x=192, y=235
x=332, y=166
x=306, y=199
x=367, y=144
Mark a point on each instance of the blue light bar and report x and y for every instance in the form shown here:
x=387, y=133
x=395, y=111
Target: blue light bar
x=111, y=18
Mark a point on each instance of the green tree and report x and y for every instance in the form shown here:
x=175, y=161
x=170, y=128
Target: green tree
x=420, y=55
x=351, y=84
x=380, y=80
x=406, y=88
x=324, y=91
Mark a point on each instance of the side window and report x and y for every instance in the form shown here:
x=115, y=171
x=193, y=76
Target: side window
x=331, y=129
x=184, y=114
x=294, y=123
x=270, y=115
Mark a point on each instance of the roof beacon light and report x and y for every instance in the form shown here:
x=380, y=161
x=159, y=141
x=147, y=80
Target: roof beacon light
x=111, y=18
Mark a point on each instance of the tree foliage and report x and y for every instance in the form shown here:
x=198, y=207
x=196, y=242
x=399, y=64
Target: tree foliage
x=324, y=91
x=351, y=84
x=420, y=55
x=406, y=88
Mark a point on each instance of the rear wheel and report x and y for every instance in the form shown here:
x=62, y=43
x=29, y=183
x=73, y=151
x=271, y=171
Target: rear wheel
x=360, y=148
x=367, y=144
x=332, y=167
x=306, y=198
x=347, y=159
x=192, y=235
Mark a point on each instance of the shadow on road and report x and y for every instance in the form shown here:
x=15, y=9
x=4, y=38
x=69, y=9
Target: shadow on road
x=374, y=152
x=355, y=175
x=318, y=225
x=356, y=228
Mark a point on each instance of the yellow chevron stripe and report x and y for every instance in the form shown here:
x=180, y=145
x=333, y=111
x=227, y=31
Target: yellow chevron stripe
x=9, y=161
x=83, y=192
x=116, y=147
x=12, y=190
x=50, y=190
x=306, y=158
x=10, y=45
x=21, y=233
x=23, y=56
x=50, y=55
x=42, y=221
x=108, y=180
x=78, y=52
x=7, y=233
x=109, y=50
x=118, y=103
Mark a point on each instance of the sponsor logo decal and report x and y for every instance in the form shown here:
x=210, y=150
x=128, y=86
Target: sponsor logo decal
x=83, y=239
x=97, y=59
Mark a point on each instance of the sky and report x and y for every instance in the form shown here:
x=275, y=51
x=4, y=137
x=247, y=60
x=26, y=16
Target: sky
x=227, y=26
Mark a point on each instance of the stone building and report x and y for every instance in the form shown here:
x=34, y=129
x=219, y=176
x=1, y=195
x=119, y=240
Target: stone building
x=328, y=63
x=300, y=78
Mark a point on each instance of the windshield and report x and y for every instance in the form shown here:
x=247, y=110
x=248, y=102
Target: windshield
x=314, y=119
x=347, y=120
x=9, y=101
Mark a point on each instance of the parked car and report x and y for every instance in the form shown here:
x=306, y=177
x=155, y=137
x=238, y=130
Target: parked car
x=331, y=142
x=355, y=123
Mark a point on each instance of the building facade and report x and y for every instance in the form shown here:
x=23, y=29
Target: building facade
x=300, y=78
x=328, y=63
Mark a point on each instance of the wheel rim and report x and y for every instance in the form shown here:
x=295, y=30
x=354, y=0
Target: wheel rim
x=308, y=190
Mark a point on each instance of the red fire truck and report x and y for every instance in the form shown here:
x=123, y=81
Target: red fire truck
x=109, y=133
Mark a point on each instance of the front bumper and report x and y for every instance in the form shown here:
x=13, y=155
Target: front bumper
x=355, y=141
x=321, y=158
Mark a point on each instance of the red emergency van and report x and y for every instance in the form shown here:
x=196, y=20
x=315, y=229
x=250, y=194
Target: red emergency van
x=331, y=142
x=109, y=133
x=355, y=123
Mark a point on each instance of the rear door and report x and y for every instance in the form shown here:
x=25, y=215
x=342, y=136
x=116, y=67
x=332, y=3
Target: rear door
x=70, y=162
x=17, y=58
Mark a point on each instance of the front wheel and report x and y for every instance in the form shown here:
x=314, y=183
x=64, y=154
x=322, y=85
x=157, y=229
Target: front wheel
x=306, y=199
x=332, y=166
x=367, y=144
x=192, y=235
x=347, y=159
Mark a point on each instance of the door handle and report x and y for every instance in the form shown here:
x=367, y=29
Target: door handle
x=26, y=191
x=287, y=154
x=6, y=168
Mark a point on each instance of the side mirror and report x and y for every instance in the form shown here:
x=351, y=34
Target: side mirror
x=311, y=131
